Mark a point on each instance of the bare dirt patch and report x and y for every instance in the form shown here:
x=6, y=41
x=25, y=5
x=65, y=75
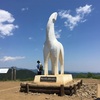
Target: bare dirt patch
x=9, y=90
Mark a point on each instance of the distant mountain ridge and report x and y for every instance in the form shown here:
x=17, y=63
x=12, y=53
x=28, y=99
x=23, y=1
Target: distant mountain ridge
x=29, y=74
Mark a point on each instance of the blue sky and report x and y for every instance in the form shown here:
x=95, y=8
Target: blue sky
x=23, y=32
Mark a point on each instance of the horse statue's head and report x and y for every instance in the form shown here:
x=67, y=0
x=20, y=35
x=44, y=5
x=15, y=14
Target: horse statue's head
x=53, y=17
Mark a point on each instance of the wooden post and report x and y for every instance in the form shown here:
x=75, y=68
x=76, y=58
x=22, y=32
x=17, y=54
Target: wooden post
x=81, y=82
x=71, y=90
x=62, y=92
x=12, y=73
x=78, y=85
x=27, y=88
x=74, y=89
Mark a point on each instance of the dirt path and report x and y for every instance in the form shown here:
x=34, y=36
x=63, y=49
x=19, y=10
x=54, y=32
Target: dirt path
x=10, y=91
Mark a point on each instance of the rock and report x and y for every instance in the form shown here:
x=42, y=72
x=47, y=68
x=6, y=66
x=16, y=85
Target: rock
x=54, y=94
x=16, y=91
x=47, y=98
x=87, y=91
x=37, y=94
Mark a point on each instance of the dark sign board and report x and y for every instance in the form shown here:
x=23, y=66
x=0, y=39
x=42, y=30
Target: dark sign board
x=47, y=79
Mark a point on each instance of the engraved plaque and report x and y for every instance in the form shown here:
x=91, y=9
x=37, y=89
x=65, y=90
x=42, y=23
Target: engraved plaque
x=47, y=79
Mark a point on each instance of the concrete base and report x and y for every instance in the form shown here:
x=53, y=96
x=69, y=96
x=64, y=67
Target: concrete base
x=57, y=79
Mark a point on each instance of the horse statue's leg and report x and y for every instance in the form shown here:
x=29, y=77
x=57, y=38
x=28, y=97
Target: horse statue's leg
x=54, y=61
x=46, y=58
x=61, y=58
x=54, y=67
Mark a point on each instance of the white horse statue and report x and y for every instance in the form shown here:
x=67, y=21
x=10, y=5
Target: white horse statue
x=52, y=48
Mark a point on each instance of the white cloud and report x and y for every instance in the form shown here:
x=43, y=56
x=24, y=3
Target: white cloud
x=72, y=21
x=84, y=10
x=6, y=23
x=9, y=58
x=57, y=33
x=24, y=9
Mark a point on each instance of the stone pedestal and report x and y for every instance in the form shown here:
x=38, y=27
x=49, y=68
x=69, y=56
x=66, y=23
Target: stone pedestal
x=57, y=79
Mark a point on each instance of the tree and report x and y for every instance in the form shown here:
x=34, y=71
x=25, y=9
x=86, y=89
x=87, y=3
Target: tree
x=90, y=75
